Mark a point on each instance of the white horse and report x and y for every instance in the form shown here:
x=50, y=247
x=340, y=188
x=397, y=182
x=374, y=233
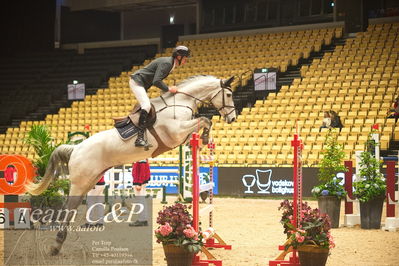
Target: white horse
x=87, y=161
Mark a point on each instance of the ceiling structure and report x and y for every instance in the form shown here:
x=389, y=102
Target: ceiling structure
x=127, y=5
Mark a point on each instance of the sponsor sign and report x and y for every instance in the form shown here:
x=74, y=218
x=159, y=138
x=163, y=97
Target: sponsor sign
x=273, y=181
x=167, y=176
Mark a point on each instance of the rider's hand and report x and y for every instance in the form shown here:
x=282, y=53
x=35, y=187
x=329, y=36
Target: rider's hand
x=173, y=89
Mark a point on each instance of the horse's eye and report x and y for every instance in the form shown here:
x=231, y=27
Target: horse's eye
x=228, y=95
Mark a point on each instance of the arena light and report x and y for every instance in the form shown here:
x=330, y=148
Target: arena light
x=75, y=82
x=172, y=19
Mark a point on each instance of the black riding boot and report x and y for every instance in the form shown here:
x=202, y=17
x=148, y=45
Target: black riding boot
x=143, y=118
x=140, y=141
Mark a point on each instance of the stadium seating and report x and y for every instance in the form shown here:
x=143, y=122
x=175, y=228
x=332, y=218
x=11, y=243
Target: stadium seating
x=358, y=80
x=29, y=81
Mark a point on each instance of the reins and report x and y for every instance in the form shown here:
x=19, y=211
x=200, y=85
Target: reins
x=207, y=103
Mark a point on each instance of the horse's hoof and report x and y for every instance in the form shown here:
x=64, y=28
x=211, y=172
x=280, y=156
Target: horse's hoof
x=205, y=139
x=54, y=251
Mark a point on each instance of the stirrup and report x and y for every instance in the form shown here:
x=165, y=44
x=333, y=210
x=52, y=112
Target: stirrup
x=140, y=143
x=143, y=143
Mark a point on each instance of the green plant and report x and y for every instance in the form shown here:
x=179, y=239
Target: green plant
x=176, y=227
x=314, y=227
x=330, y=166
x=53, y=196
x=39, y=137
x=333, y=156
x=371, y=184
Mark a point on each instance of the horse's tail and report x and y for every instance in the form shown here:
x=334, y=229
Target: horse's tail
x=57, y=164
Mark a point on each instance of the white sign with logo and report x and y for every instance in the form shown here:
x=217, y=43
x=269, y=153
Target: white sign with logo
x=263, y=180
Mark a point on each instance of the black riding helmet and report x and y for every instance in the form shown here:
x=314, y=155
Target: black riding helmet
x=181, y=50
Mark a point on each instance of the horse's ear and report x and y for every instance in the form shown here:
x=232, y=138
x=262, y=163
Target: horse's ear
x=227, y=83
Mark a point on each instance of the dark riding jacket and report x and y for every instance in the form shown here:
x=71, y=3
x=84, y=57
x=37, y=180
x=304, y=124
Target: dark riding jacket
x=154, y=73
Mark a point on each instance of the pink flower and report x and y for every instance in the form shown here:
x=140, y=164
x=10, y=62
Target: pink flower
x=190, y=232
x=165, y=229
x=301, y=231
x=299, y=237
x=330, y=240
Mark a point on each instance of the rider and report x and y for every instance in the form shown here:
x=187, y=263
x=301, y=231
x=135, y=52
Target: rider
x=153, y=74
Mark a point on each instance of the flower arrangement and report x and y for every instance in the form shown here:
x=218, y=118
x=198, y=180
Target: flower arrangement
x=331, y=188
x=331, y=164
x=314, y=227
x=372, y=183
x=175, y=227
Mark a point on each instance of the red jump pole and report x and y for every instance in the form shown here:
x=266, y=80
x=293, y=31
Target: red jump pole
x=348, y=186
x=195, y=141
x=297, y=203
x=390, y=181
x=297, y=199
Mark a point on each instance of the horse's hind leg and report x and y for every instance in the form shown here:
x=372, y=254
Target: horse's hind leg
x=72, y=204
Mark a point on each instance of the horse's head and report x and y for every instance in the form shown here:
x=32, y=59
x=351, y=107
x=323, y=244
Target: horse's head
x=223, y=100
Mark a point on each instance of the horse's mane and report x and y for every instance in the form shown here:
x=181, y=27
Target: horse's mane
x=192, y=79
x=186, y=82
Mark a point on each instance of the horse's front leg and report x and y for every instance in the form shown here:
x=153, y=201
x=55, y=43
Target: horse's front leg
x=196, y=125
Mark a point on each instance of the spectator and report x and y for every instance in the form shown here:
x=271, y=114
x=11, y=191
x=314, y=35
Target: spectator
x=141, y=176
x=395, y=110
x=335, y=120
x=10, y=174
x=326, y=120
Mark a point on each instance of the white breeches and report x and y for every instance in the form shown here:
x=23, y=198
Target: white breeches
x=141, y=95
x=143, y=216
x=94, y=196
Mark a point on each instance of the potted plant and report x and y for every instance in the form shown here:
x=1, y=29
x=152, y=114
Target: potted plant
x=40, y=139
x=370, y=188
x=176, y=233
x=312, y=238
x=330, y=191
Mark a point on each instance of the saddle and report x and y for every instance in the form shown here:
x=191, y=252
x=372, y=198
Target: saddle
x=127, y=126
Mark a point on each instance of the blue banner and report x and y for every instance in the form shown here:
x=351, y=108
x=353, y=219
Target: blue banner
x=161, y=177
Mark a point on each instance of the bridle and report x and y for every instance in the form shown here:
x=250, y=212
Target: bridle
x=223, y=87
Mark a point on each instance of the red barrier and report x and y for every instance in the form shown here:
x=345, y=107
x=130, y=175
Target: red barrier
x=391, y=202
x=390, y=179
x=348, y=186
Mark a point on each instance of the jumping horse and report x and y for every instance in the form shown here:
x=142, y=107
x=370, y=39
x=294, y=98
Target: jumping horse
x=87, y=161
